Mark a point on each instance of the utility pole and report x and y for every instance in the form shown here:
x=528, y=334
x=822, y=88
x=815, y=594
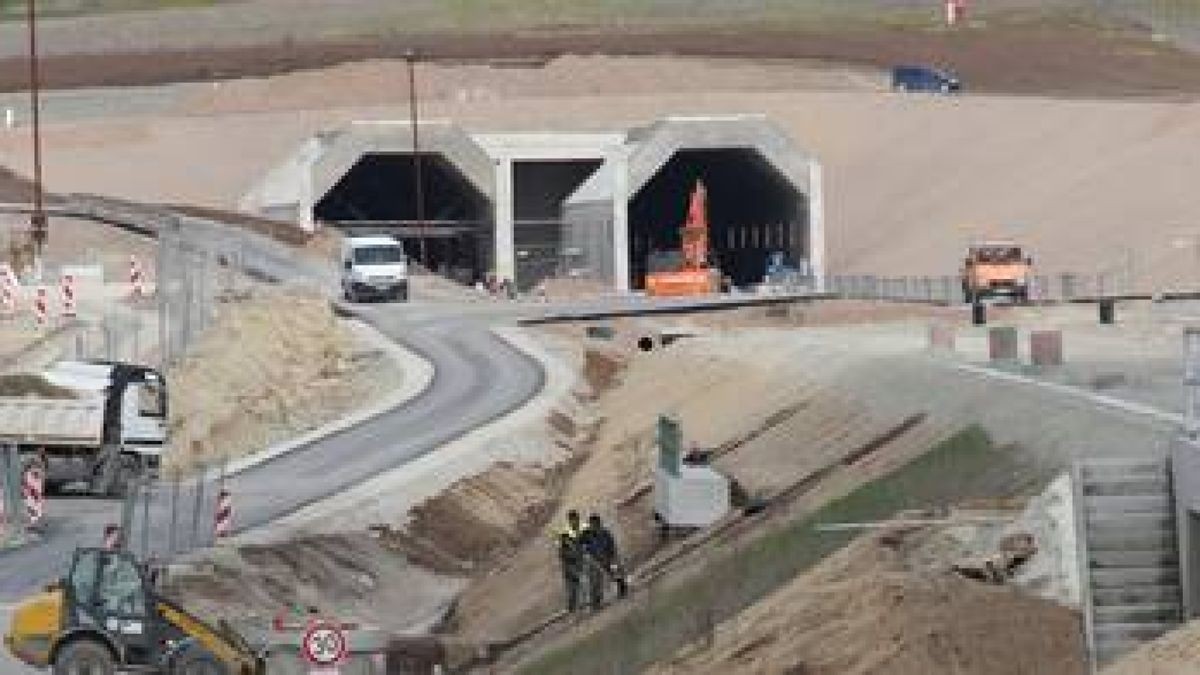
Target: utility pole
x=38, y=224
x=410, y=58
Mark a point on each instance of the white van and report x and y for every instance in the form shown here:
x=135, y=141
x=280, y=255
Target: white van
x=374, y=267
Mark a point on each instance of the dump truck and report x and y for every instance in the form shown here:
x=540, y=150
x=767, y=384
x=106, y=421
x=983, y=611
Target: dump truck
x=97, y=423
x=107, y=616
x=687, y=272
x=996, y=268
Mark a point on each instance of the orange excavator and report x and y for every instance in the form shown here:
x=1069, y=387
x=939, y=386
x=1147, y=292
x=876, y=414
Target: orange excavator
x=693, y=275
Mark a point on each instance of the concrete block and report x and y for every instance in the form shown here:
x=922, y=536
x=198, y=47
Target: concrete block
x=1002, y=343
x=1045, y=347
x=941, y=337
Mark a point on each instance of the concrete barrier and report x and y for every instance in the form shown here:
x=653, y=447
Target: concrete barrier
x=941, y=337
x=1045, y=348
x=1002, y=344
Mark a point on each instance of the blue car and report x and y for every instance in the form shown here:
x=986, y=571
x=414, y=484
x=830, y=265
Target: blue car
x=922, y=78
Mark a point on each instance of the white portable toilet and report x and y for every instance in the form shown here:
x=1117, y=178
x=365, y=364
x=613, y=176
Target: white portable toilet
x=686, y=495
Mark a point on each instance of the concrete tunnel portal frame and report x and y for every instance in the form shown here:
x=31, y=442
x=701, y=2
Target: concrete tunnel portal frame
x=377, y=195
x=524, y=206
x=752, y=212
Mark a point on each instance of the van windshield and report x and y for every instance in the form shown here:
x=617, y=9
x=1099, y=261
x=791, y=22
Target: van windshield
x=378, y=255
x=998, y=254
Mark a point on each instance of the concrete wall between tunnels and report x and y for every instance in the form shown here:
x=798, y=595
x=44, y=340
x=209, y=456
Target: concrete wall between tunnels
x=526, y=206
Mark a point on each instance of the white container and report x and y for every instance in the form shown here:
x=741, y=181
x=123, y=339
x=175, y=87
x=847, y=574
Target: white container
x=697, y=497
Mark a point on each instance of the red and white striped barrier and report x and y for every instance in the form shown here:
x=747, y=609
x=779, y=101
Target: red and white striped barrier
x=956, y=10
x=9, y=287
x=33, y=486
x=223, y=526
x=41, y=309
x=137, y=280
x=112, y=537
x=8, y=300
x=67, y=288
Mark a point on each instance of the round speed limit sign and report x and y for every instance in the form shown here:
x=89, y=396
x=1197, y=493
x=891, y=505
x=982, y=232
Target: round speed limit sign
x=324, y=645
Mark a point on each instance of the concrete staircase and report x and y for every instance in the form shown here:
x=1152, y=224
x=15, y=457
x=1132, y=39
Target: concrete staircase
x=1128, y=554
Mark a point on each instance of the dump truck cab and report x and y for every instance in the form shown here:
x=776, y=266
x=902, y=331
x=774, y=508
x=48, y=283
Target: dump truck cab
x=105, y=427
x=106, y=616
x=996, y=268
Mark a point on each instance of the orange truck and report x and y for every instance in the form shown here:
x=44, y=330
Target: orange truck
x=996, y=268
x=692, y=275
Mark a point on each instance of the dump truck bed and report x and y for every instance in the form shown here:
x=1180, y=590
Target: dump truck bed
x=45, y=421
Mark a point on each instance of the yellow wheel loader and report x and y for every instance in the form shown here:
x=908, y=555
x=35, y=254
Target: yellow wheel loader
x=106, y=616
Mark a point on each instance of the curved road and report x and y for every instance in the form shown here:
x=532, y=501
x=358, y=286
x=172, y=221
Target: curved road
x=478, y=377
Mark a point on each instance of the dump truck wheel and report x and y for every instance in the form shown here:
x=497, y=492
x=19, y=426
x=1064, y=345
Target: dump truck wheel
x=124, y=476
x=198, y=663
x=85, y=657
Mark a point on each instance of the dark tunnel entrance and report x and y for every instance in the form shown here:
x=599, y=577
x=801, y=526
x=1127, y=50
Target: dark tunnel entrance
x=378, y=195
x=539, y=190
x=753, y=210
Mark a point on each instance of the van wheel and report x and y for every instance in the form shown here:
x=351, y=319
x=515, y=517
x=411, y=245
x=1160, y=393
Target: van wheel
x=84, y=657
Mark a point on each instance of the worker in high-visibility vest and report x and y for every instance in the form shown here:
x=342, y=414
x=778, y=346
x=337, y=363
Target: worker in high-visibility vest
x=571, y=558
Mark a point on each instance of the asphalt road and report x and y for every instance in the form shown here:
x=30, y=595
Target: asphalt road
x=477, y=378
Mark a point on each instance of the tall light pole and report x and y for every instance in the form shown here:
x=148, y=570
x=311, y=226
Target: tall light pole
x=38, y=224
x=410, y=58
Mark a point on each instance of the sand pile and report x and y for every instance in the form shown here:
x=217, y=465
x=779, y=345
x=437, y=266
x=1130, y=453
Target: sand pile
x=866, y=610
x=272, y=366
x=25, y=384
x=485, y=517
x=1176, y=653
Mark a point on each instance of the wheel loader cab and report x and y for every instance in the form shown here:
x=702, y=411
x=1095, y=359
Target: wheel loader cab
x=106, y=596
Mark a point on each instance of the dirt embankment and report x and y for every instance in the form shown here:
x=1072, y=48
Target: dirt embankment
x=1022, y=54
x=867, y=609
x=353, y=576
x=772, y=414
x=273, y=366
x=1176, y=653
x=481, y=519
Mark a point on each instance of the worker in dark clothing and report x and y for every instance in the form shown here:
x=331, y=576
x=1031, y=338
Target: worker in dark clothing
x=571, y=558
x=601, y=549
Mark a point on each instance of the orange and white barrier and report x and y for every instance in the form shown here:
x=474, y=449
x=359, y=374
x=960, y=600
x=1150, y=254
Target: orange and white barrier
x=67, y=288
x=223, y=526
x=137, y=280
x=33, y=490
x=10, y=287
x=41, y=308
x=8, y=300
x=956, y=10
x=112, y=537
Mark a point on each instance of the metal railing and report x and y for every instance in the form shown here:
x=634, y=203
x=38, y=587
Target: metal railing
x=948, y=290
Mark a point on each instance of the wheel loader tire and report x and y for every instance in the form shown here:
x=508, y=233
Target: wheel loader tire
x=85, y=657
x=195, y=662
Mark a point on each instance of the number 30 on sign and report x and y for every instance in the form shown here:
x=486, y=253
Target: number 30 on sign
x=324, y=645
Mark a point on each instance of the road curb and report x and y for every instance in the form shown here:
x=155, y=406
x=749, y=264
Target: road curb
x=411, y=483
x=1130, y=407
x=417, y=373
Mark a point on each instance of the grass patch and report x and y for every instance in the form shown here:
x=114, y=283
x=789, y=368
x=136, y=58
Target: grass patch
x=11, y=10
x=967, y=465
